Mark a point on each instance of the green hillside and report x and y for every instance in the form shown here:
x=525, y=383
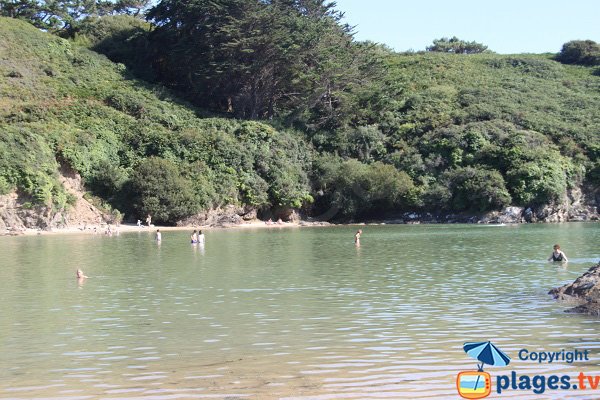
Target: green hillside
x=136, y=146
x=433, y=131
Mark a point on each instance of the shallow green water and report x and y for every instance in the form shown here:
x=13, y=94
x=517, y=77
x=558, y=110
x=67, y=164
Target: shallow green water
x=286, y=313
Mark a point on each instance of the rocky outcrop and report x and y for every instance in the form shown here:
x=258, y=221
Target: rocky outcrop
x=221, y=217
x=286, y=214
x=232, y=215
x=10, y=221
x=17, y=213
x=584, y=292
x=576, y=206
x=82, y=212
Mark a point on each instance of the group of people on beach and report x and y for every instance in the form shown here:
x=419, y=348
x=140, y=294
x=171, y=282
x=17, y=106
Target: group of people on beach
x=270, y=222
x=148, y=222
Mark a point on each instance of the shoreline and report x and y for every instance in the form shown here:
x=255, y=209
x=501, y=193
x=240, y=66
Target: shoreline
x=100, y=229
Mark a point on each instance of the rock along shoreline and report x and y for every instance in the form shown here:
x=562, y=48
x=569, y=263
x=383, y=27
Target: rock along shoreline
x=584, y=293
x=16, y=221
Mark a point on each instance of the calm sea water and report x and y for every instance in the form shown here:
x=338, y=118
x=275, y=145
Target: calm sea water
x=287, y=313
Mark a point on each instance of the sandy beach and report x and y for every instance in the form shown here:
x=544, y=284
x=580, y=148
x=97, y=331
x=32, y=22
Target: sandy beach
x=101, y=229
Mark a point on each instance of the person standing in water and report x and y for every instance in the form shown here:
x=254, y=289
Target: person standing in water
x=200, y=237
x=158, y=235
x=194, y=237
x=557, y=254
x=357, y=237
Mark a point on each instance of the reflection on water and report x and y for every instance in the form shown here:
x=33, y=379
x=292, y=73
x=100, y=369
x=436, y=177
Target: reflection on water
x=286, y=313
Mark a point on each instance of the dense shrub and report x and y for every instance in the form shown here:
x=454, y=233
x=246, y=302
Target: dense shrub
x=456, y=46
x=583, y=52
x=535, y=183
x=476, y=189
x=27, y=163
x=365, y=143
x=157, y=188
x=354, y=189
x=122, y=38
x=107, y=179
x=283, y=162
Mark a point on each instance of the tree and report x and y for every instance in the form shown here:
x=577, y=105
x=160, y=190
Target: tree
x=535, y=183
x=130, y=7
x=121, y=38
x=258, y=59
x=64, y=16
x=23, y=9
x=456, y=46
x=584, y=52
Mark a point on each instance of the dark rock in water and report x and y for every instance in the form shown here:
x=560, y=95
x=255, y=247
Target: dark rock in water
x=589, y=308
x=584, y=291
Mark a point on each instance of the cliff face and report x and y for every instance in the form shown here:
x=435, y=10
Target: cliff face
x=580, y=204
x=584, y=292
x=16, y=214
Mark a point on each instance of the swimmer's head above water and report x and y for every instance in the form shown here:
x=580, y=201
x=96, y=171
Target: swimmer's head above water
x=80, y=274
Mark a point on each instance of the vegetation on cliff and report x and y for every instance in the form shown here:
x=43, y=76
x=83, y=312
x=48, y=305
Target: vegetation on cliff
x=274, y=104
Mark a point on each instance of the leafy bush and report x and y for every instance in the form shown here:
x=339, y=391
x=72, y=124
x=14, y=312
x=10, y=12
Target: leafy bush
x=107, y=179
x=5, y=187
x=456, y=46
x=127, y=102
x=583, y=52
x=365, y=143
x=476, y=189
x=27, y=162
x=157, y=188
x=535, y=183
x=355, y=189
x=254, y=190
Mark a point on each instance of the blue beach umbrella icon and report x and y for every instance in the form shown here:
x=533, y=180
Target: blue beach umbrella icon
x=487, y=353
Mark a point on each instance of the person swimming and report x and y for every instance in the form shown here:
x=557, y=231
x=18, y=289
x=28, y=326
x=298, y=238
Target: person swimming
x=79, y=274
x=558, y=254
